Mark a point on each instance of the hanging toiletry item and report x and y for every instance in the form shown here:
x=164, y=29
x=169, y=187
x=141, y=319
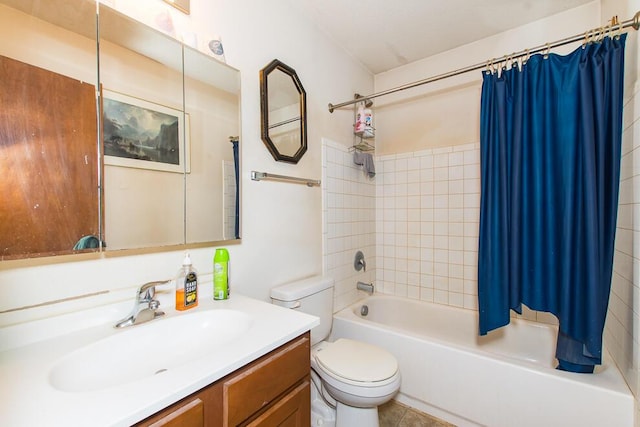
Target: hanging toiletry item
x=368, y=123
x=359, y=125
x=221, y=274
x=186, y=286
x=215, y=47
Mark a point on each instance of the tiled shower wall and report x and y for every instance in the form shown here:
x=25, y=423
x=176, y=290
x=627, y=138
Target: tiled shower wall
x=427, y=210
x=623, y=316
x=348, y=204
x=416, y=222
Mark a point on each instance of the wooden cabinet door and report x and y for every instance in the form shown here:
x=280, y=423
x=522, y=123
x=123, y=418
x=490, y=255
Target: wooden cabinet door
x=291, y=411
x=191, y=414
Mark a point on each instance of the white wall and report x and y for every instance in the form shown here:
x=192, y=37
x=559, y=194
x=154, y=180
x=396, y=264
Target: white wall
x=281, y=223
x=447, y=112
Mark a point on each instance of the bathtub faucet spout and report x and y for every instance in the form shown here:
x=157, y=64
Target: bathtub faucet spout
x=367, y=287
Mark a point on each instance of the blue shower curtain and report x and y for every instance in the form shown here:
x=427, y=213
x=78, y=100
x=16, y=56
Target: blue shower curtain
x=550, y=137
x=236, y=168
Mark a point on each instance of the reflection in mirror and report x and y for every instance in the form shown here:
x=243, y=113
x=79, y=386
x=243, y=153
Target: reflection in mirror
x=142, y=120
x=212, y=104
x=169, y=187
x=48, y=131
x=283, y=109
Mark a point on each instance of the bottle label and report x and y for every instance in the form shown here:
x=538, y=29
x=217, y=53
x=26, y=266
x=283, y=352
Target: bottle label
x=190, y=289
x=220, y=280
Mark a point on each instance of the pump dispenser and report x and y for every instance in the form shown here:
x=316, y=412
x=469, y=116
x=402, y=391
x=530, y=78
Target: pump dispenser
x=186, y=286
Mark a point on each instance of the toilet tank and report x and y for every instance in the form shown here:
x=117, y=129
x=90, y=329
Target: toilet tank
x=312, y=295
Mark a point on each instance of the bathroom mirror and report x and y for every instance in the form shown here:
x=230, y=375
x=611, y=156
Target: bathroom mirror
x=150, y=164
x=283, y=108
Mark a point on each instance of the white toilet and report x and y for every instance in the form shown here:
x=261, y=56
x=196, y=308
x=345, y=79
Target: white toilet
x=351, y=376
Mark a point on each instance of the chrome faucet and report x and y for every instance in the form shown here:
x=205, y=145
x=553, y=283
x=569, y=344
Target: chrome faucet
x=146, y=306
x=367, y=287
x=359, y=263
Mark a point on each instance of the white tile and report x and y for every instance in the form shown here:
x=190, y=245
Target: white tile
x=472, y=200
x=441, y=297
x=426, y=162
x=472, y=171
x=456, y=172
x=442, y=150
x=441, y=274
x=440, y=215
x=471, y=185
x=426, y=294
x=457, y=187
x=456, y=158
x=426, y=279
x=402, y=164
x=456, y=201
x=456, y=299
x=472, y=157
x=440, y=174
x=470, y=272
x=413, y=292
x=471, y=287
x=441, y=160
x=441, y=201
x=456, y=215
x=413, y=163
x=470, y=302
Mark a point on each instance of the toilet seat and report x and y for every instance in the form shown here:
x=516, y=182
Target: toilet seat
x=356, y=362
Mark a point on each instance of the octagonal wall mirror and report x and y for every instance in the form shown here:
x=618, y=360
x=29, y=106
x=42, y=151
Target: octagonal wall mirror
x=283, y=106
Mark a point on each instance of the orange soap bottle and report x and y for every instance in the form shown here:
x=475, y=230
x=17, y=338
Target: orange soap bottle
x=186, y=286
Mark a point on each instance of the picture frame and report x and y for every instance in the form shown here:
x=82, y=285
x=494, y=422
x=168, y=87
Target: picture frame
x=141, y=134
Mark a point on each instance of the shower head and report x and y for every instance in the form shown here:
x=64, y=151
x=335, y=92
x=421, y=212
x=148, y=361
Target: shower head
x=367, y=102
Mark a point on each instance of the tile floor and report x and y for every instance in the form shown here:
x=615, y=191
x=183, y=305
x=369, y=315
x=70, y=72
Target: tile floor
x=395, y=414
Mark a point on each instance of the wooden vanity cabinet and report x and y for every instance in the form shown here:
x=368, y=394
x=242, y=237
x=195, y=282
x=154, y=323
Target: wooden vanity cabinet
x=274, y=390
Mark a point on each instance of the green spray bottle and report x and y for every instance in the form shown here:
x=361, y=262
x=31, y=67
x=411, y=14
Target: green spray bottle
x=221, y=274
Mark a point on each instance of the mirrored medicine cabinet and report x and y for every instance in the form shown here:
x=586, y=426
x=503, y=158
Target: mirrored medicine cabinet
x=113, y=136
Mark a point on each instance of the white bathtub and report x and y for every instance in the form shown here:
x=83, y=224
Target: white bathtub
x=506, y=378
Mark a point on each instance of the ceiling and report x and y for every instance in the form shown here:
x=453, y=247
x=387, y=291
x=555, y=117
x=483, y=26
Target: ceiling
x=385, y=34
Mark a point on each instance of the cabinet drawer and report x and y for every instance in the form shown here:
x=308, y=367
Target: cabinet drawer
x=190, y=414
x=262, y=382
x=290, y=411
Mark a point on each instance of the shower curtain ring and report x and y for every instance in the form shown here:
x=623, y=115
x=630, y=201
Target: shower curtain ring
x=494, y=67
x=619, y=30
x=547, y=50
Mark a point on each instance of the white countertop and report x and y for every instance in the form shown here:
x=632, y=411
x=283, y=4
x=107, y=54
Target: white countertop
x=27, y=397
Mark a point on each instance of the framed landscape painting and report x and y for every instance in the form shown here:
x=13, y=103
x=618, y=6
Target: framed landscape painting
x=142, y=134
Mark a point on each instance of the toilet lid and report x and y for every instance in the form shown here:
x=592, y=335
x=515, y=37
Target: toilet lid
x=357, y=361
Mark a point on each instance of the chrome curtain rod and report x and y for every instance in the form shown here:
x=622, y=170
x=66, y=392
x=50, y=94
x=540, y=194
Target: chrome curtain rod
x=633, y=22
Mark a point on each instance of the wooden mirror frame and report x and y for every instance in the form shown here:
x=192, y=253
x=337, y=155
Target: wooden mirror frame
x=264, y=112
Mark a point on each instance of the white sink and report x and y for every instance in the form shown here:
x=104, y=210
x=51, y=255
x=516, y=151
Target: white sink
x=141, y=351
